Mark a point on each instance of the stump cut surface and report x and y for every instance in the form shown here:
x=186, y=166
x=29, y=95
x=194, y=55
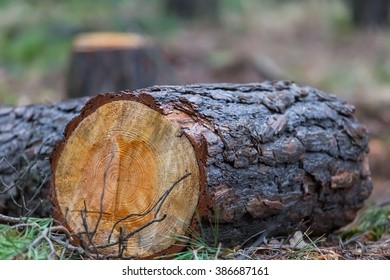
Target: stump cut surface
x=103, y=41
x=127, y=180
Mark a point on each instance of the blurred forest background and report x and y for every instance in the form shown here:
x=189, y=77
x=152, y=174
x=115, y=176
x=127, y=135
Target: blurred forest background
x=315, y=42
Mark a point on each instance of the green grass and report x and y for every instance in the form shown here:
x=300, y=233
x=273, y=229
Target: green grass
x=372, y=222
x=33, y=239
x=195, y=246
x=196, y=249
x=309, y=250
x=28, y=240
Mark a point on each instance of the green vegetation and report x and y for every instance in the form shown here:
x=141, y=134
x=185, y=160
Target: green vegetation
x=314, y=42
x=28, y=240
x=371, y=222
x=195, y=246
x=197, y=249
x=37, y=238
x=36, y=35
x=305, y=250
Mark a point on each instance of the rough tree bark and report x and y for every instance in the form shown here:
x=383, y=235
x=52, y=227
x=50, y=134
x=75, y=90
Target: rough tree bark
x=275, y=156
x=28, y=135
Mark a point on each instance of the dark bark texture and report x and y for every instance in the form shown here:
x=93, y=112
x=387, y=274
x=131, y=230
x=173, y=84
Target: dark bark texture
x=28, y=135
x=280, y=157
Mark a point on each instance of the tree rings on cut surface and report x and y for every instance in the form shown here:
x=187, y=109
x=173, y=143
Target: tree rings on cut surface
x=126, y=180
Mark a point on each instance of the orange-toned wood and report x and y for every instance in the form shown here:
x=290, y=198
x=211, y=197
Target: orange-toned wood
x=128, y=177
x=109, y=40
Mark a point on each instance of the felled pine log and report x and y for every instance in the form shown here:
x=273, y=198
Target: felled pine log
x=135, y=169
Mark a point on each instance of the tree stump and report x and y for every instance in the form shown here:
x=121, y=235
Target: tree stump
x=104, y=62
x=135, y=169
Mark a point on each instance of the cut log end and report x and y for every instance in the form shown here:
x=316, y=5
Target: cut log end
x=127, y=180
